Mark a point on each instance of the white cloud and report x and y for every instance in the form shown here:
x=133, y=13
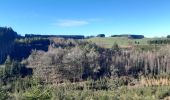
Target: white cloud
x=71, y=23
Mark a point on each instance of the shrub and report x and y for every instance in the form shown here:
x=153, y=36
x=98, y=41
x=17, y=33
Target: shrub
x=3, y=94
x=100, y=35
x=163, y=94
x=38, y=93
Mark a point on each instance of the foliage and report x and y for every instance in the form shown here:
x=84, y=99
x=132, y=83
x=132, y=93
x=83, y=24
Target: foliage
x=3, y=94
x=7, y=34
x=13, y=70
x=37, y=93
x=35, y=40
x=60, y=69
x=159, y=41
x=168, y=36
x=100, y=35
x=7, y=37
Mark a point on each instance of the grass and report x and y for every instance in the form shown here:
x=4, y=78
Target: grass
x=108, y=42
x=158, y=81
x=71, y=91
x=150, y=92
x=122, y=93
x=2, y=66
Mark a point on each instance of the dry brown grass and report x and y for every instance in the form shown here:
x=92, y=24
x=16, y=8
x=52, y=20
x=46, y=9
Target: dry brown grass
x=162, y=81
x=167, y=98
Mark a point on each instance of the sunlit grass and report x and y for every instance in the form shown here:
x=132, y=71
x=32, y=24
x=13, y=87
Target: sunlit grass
x=108, y=42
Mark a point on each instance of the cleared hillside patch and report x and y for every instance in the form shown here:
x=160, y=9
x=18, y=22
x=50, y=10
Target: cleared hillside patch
x=108, y=42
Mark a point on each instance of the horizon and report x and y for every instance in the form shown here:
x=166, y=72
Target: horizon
x=87, y=17
x=106, y=35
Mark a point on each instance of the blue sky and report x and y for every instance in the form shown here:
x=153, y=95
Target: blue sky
x=87, y=17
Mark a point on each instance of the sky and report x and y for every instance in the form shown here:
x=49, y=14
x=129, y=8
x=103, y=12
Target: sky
x=87, y=17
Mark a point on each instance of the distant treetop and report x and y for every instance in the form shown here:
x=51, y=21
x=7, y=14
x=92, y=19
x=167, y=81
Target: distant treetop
x=129, y=36
x=100, y=35
x=168, y=36
x=7, y=34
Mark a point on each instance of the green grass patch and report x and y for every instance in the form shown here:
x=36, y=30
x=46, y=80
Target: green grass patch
x=108, y=42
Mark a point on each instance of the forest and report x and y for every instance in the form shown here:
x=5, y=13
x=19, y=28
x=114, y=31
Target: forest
x=51, y=68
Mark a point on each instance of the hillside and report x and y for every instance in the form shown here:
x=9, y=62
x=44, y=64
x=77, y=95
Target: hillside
x=123, y=42
x=52, y=68
x=108, y=42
